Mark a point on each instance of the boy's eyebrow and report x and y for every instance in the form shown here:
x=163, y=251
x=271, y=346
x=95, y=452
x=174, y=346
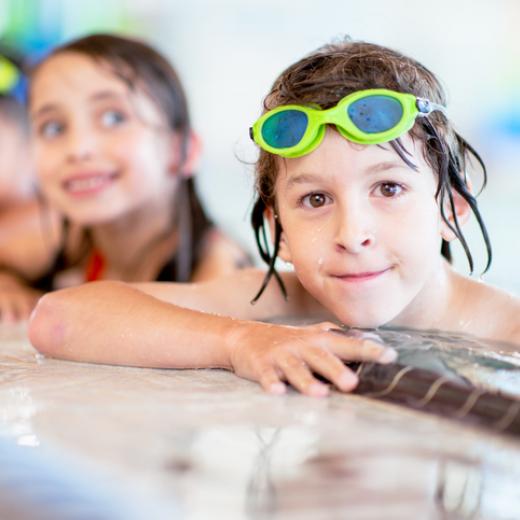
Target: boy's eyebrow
x=308, y=178
x=386, y=165
x=303, y=178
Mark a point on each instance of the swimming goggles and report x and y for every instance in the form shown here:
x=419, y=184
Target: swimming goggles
x=9, y=75
x=370, y=116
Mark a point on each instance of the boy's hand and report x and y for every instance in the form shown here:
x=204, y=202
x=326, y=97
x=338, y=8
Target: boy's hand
x=272, y=354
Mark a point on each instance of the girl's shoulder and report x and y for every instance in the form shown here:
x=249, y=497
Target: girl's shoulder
x=220, y=255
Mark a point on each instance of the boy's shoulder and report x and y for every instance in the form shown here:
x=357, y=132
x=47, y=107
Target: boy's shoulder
x=494, y=312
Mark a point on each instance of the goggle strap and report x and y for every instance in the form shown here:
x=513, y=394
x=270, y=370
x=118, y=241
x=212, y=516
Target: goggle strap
x=426, y=107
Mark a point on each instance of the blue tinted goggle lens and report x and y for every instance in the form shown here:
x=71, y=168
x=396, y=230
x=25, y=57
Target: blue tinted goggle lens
x=285, y=129
x=374, y=114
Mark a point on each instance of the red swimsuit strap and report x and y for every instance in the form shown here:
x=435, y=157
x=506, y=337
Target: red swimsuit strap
x=95, y=267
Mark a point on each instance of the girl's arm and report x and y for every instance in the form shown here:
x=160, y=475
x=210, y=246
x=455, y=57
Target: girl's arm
x=17, y=299
x=111, y=322
x=29, y=237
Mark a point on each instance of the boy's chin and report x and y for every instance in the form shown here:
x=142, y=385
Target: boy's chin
x=365, y=319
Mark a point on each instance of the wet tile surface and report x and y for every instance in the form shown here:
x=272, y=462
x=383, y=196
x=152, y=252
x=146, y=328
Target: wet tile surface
x=211, y=445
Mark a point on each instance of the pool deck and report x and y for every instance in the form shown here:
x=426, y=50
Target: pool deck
x=200, y=444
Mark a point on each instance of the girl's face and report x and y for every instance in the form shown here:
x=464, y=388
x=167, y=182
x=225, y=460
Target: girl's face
x=102, y=150
x=362, y=229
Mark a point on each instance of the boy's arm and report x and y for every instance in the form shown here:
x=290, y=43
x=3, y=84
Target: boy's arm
x=231, y=295
x=111, y=322
x=114, y=323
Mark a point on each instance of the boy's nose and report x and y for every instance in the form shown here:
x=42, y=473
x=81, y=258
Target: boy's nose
x=354, y=231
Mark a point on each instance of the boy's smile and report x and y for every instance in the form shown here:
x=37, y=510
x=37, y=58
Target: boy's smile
x=361, y=277
x=362, y=228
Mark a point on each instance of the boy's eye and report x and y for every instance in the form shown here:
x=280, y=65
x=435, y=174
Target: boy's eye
x=390, y=189
x=111, y=118
x=51, y=129
x=315, y=200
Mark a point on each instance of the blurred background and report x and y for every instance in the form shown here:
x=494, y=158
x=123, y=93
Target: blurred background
x=229, y=52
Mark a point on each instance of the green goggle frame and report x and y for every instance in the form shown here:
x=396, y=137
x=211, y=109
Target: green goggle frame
x=370, y=116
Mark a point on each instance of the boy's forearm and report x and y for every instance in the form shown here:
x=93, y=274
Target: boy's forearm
x=112, y=323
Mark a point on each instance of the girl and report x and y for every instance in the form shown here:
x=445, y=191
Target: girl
x=115, y=154
x=362, y=181
x=21, y=215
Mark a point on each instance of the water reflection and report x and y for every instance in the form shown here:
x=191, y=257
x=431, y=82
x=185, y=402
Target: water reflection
x=459, y=489
x=226, y=449
x=377, y=483
x=261, y=499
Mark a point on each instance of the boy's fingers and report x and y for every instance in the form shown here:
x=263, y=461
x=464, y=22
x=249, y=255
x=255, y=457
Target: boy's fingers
x=328, y=326
x=299, y=375
x=361, y=349
x=331, y=367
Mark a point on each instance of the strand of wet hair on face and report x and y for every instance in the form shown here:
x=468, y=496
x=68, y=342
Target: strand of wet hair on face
x=449, y=176
x=444, y=157
x=258, y=222
x=466, y=148
x=462, y=188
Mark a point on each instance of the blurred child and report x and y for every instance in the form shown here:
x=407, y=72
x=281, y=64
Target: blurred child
x=22, y=217
x=362, y=180
x=115, y=155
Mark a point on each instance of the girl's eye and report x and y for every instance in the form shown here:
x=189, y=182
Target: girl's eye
x=315, y=200
x=390, y=189
x=51, y=129
x=111, y=118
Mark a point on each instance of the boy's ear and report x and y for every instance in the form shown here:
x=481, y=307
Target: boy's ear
x=462, y=211
x=283, y=251
x=185, y=156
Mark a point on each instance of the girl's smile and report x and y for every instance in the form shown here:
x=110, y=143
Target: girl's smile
x=87, y=184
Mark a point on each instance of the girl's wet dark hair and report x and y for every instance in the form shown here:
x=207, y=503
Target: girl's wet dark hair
x=142, y=67
x=338, y=69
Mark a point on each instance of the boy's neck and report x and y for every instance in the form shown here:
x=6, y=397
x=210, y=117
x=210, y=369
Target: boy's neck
x=435, y=305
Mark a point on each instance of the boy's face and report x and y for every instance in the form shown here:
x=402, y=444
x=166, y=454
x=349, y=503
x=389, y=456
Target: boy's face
x=362, y=229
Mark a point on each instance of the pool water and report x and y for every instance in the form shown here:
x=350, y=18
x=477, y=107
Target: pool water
x=200, y=444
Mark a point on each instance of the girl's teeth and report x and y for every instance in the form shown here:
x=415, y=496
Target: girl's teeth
x=86, y=184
